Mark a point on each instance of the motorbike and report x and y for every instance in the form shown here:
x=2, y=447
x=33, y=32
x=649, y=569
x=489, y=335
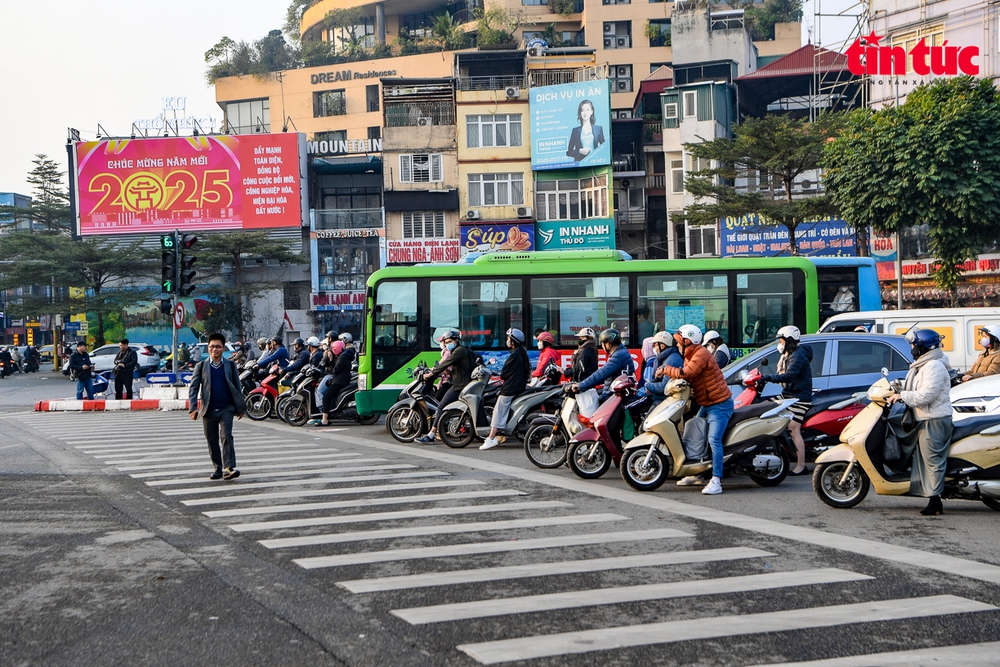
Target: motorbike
x=592, y=451
x=262, y=401
x=305, y=402
x=467, y=417
x=546, y=442
x=31, y=366
x=750, y=445
x=413, y=412
x=846, y=473
x=248, y=376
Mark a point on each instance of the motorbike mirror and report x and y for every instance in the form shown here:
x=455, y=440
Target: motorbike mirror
x=763, y=362
x=885, y=372
x=743, y=374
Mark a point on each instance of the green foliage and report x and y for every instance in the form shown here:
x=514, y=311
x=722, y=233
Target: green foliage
x=496, y=25
x=935, y=160
x=293, y=17
x=781, y=146
x=447, y=34
x=657, y=35
x=562, y=7
x=760, y=19
x=268, y=54
x=50, y=200
x=551, y=36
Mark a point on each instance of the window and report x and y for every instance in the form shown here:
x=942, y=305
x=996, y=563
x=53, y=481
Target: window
x=620, y=77
x=572, y=199
x=329, y=103
x=618, y=34
x=690, y=104
x=763, y=305
x=482, y=310
x=816, y=365
x=371, y=97
x=345, y=264
x=496, y=189
x=658, y=31
x=673, y=300
x=332, y=138
x=933, y=34
x=420, y=168
x=677, y=176
x=361, y=34
x=670, y=110
x=701, y=241
x=395, y=316
x=858, y=357
x=497, y=130
x=423, y=225
x=566, y=305
x=374, y=133
x=292, y=297
x=249, y=116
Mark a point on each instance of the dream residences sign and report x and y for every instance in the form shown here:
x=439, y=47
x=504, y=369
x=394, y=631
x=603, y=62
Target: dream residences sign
x=571, y=125
x=745, y=235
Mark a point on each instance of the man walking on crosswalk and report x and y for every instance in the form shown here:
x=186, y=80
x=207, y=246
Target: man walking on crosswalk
x=218, y=381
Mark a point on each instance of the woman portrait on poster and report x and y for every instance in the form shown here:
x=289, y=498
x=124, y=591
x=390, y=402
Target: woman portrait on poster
x=587, y=138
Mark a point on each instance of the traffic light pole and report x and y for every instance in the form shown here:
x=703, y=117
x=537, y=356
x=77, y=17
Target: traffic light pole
x=175, y=366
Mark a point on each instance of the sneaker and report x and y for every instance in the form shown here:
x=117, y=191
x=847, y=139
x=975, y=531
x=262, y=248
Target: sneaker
x=691, y=480
x=490, y=443
x=713, y=488
x=426, y=439
x=216, y=475
x=231, y=473
x=315, y=422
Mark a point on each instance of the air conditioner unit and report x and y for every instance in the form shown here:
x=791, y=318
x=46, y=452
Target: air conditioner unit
x=535, y=52
x=623, y=85
x=624, y=71
x=524, y=211
x=424, y=121
x=512, y=92
x=472, y=214
x=624, y=42
x=607, y=2
x=609, y=43
x=609, y=28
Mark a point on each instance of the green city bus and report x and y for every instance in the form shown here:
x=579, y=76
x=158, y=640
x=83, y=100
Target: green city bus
x=745, y=299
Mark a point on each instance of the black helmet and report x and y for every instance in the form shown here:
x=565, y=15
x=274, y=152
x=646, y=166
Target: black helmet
x=278, y=340
x=298, y=342
x=331, y=334
x=611, y=336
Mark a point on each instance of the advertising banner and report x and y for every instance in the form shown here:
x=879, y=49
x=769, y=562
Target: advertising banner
x=412, y=251
x=575, y=234
x=745, y=235
x=148, y=186
x=499, y=237
x=570, y=125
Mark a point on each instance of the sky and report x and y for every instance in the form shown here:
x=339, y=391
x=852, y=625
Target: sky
x=77, y=63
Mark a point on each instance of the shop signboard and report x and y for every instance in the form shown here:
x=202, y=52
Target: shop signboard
x=339, y=300
x=746, y=235
x=575, y=234
x=414, y=251
x=570, y=125
x=218, y=182
x=498, y=237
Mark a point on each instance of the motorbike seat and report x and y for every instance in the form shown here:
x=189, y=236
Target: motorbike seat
x=751, y=411
x=973, y=425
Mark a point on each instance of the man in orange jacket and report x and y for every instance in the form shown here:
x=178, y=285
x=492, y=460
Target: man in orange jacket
x=712, y=394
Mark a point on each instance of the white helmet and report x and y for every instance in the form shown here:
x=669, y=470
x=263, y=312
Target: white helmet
x=710, y=336
x=664, y=338
x=585, y=332
x=992, y=330
x=788, y=332
x=346, y=338
x=313, y=341
x=691, y=332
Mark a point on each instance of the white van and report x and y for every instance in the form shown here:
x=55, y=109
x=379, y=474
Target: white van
x=959, y=327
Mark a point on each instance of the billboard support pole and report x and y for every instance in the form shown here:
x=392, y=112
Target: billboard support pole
x=173, y=317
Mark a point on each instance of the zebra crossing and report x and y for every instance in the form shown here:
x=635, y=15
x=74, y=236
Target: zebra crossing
x=500, y=570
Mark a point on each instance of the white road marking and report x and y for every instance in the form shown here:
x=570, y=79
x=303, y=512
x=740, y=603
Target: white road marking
x=440, y=529
x=146, y=444
x=332, y=492
x=649, y=634
x=192, y=457
x=319, y=459
x=305, y=457
x=241, y=486
x=451, y=550
x=391, y=516
x=159, y=450
x=599, y=596
x=364, y=502
x=969, y=654
x=283, y=473
x=548, y=568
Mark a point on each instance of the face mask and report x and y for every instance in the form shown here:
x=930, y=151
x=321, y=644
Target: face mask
x=916, y=352
x=451, y=347
x=541, y=345
x=985, y=342
x=781, y=347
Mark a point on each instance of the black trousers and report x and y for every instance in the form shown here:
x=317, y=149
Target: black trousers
x=219, y=426
x=123, y=384
x=449, y=396
x=332, y=391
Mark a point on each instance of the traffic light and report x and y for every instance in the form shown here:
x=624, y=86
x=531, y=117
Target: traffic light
x=168, y=265
x=187, y=273
x=166, y=306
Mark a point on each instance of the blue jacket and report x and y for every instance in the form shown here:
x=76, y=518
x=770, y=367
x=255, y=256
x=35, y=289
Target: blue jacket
x=669, y=357
x=279, y=356
x=797, y=380
x=300, y=362
x=620, y=360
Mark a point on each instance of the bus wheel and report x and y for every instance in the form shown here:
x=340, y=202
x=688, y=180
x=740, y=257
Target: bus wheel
x=456, y=428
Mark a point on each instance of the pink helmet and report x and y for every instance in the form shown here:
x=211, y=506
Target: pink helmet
x=546, y=337
x=338, y=346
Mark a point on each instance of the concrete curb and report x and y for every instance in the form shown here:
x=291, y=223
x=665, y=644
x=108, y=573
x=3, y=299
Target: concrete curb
x=109, y=405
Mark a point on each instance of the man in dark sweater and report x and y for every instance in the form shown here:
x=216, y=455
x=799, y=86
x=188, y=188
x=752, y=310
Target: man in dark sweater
x=126, y=361
x=514, y=374
x=83, y=369
x=218, y=381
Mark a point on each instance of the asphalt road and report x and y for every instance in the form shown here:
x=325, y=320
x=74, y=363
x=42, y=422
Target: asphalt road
x=339, y=546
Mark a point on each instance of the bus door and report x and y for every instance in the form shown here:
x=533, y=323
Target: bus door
x=764, y=304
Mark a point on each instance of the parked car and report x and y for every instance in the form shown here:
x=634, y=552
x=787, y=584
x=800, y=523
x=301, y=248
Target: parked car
x=842, y=363
x=976, y=398
x=104, y=358
x=46, y=352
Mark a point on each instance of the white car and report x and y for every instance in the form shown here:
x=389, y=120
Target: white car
x=976, y=398
x=104, y=357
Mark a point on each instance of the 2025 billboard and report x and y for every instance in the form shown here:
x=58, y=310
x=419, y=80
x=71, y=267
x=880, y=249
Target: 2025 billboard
x=203, y=183
x=570, y=125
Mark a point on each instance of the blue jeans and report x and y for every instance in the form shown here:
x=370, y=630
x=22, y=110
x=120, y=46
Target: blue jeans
x=718, y=417
x=87, y=385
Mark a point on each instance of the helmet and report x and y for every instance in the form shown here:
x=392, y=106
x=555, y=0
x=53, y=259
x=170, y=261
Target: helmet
x=298, y=342
x=861, y=329
x=710, y=336
x=546, y=337
x=278, y=340
x=338, y=347
x=993, y=330
x=691, y=332
x=261, y=342
x=664, y=338
x=517, y=335
x=313, y=341
x=788, y=332
x=611, y=336
x=454, y=334
x=923, y=341
x=237, y=346
x=331, y=334
x=346, y=338
x=586, y=332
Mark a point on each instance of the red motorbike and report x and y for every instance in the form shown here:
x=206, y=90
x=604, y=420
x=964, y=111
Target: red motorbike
x=593, y=450
x=261, y=401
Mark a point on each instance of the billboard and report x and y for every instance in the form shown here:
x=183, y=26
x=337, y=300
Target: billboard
x=571, y=125
x=746, y=235
x=412, y=251
x=150, y=186
x=575, y=234
x=499, y=237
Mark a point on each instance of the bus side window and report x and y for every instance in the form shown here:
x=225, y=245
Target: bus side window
x=566, y=304
x=764, y=304
x=676, y=299
x=396, y=315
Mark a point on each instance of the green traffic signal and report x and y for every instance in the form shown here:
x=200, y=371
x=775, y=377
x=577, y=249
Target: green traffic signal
x=168, y=286
x=167, y=241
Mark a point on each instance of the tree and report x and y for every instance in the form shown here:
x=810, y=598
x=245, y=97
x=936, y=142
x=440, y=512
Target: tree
x=219, y=256
x=50, y=201
x=293, y=17
x=778, y=146
x=496, y=25
x=447, y=34
x=563, y=7
x=934, y=160
x=268, y=54
x=760, y=19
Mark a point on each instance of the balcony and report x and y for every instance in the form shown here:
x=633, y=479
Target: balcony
x=419, y=114
x=358, y=218
x=498, y=82
x=652, y=131
x=627, y=165
x=656, y=181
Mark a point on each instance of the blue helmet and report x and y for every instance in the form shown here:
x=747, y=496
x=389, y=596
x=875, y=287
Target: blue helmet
x=923, y=341
x=516, y=335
